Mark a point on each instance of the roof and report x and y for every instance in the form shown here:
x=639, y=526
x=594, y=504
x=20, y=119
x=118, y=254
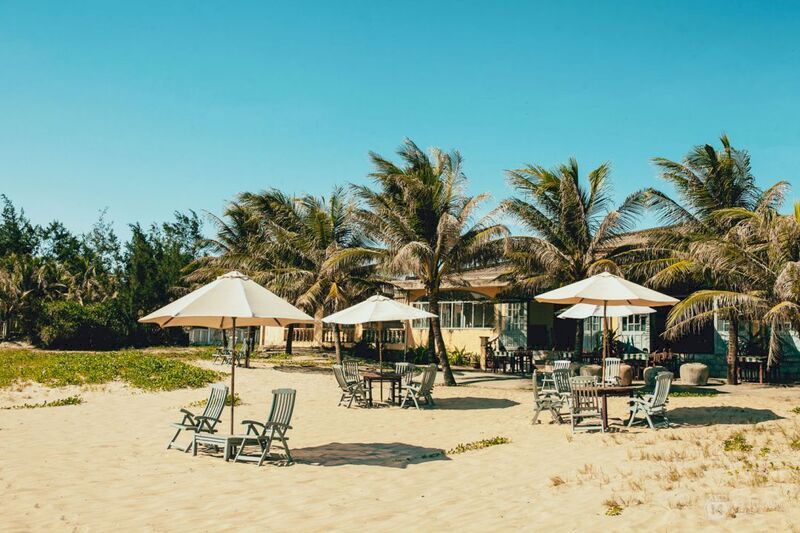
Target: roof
x=479, y=277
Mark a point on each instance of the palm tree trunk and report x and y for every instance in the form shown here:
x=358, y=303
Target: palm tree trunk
x=578, y=340
x=289, y=338
x=318, y=327
x=249, y=345
x=449, y=379
x=337, y=343
x=733, y=351
x=431, y=344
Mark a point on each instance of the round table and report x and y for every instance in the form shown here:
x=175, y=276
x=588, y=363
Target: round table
x=614, y=390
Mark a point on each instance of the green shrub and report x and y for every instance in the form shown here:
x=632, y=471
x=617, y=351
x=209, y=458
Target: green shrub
x=70, y=325
x=459, y=356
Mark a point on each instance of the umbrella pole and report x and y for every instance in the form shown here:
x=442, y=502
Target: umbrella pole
x=380, y=355
x=605, y=340
x=233, y=371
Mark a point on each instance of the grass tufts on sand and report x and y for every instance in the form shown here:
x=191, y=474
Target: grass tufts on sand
x=144, y=370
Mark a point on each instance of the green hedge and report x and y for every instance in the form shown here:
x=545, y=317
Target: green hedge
x=72, y=326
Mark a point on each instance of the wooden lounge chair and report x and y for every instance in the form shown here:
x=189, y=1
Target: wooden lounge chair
x=585, y=405
x=611, y=374
x=547, y=378
x=422, y=390
x=351, y=391
x=205, y=423
x=406, y=371
x=351, y=374
x=272, y=432
x=549, y=402
x=652, y=405
x=561, y=383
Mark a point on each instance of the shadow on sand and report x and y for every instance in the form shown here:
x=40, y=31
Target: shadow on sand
x=387, y=454
x=722, y=414
x=469, y=403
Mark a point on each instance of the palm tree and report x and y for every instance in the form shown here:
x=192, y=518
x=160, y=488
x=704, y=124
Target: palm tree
x=283, y=242
x=707, y=182
x=575, y=230
x=423, y=224
x=757, y=261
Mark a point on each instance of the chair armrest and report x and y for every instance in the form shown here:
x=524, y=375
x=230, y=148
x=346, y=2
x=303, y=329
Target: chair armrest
x=187, y=412
x=252, y=423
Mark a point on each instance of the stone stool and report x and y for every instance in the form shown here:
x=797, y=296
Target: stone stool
x=625, y=375
x=694, y=374
x=592, y=370
x=650, y=374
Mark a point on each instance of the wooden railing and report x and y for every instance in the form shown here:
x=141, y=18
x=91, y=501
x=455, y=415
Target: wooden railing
x=346, y=334
x=389, y=336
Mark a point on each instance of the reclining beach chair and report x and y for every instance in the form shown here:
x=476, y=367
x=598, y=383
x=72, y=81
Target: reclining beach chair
x=351, y=374
x=205, y=423
x=549, y=402
x=652, y=405
x=585, y=405
x=406, y=372
x=422, y=390
x=611, y=374
x=270, y=433
x=547, y=377
x=351, y=391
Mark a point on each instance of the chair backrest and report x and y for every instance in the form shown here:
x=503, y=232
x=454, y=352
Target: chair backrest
x=406, y=371
x=351, y=371
x=612, y=369
x=216, y=401
x=428, y=377
x=582, y=381
x=338, y=371
x=282, y=406
x=561, y=364
x=561, y=381
x=585, y=399
x=661, y=391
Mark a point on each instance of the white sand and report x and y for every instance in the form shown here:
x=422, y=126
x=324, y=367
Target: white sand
x=103, y=464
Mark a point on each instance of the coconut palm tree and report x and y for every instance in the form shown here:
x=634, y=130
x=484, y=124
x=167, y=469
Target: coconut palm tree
x=575, y=230
x=422, y=223
x=707, y=181
x=757, y=261
x=283, y=242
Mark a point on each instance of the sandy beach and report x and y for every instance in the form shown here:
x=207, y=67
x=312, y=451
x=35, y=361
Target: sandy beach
x=103, y=464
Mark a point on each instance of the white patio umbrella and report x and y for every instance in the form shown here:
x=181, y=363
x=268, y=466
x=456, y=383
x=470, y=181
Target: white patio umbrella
x=580, y=311
x=606, y=290
x=377, y=309
x=231, y=300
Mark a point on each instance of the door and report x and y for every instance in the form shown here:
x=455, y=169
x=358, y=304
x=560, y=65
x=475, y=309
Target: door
x=514, y=325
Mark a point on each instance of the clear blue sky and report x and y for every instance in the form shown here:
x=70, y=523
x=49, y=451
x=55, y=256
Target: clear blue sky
x=150, y=107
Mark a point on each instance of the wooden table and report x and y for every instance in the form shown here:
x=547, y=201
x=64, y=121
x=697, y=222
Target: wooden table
x=396, y=381
x=613, y=390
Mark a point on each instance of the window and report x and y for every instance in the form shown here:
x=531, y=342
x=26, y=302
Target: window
x=634, y=323
x=459, y=314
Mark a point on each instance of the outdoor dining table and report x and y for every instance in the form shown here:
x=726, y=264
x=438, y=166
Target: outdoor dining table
x=605, y=391
x=394, y=379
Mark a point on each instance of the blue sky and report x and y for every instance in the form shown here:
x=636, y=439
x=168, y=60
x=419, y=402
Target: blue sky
x=150, y=107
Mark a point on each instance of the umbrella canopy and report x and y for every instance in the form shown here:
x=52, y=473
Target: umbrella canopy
x=606, y=289
x=230, y=296
x=586, y=310
x=231, y=300
x=377, y=309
